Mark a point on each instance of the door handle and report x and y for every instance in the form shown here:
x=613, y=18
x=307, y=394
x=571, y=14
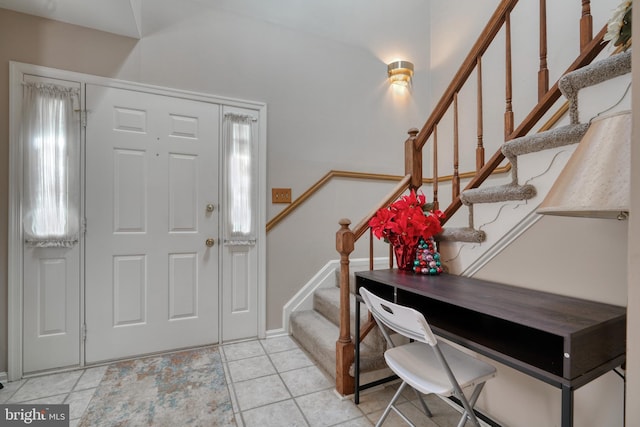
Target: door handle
x=209, y=242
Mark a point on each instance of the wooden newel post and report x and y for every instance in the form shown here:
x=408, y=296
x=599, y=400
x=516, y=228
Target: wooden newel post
x=413, y=159
x=345, y=241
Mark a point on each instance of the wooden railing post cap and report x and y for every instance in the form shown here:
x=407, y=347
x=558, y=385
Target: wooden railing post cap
x=344, y=223
x=345, y=239
x=413, y=132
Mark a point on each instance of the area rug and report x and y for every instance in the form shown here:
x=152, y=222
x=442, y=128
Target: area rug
x=186, y=388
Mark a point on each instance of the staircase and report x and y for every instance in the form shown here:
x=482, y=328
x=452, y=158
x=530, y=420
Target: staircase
x=519, y=190
x=318, y=328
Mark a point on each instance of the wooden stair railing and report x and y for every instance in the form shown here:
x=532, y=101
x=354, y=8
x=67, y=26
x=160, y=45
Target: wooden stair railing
x=346, y=237
x=590, y=52
x=334, y=174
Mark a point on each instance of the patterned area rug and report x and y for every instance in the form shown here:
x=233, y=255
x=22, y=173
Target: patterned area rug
x=186, y=388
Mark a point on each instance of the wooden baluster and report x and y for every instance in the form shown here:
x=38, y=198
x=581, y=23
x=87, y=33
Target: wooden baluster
x=543, y=72
x=413, y=159
x=455, y=183
x=436, y=204
x=345, y=242
x=586, y=25
x=370, y=248
x=480, y=145
x=508, y=114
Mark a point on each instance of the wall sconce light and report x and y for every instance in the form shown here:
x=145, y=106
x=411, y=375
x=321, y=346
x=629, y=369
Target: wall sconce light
x=400, y=73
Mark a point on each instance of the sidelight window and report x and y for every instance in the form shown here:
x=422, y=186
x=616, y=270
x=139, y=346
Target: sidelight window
x=50, y=141
x=240, y=179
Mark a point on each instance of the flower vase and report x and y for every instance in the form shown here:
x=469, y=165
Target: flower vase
x=405, y=256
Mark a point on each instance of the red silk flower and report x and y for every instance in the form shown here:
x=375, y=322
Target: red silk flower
x=405, y=220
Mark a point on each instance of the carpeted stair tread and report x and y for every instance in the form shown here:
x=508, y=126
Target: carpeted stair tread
x=590, y=75
x=326, y=301
x=558, y=137
x=461, y=234
x=318, y=337
x=498, y=193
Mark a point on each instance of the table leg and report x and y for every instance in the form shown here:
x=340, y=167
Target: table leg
x=567, y=406
x=356, y=368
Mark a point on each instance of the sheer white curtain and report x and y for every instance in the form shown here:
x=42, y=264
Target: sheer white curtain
x=240, y=175
x=51, y=145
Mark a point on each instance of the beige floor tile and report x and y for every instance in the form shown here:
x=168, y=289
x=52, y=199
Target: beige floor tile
x=78, y=402
x=306, y=380
x=242, y=350
x=378, y=400
x=358, y=422
x=325, y=408
x=90, y=378
x=275, y=415
x=49, y=385
x=47, y=400
x=418, y=417
x=9, y=389
x=278, y=344
x=290, y=359
x=260, y=391
x=253, y=367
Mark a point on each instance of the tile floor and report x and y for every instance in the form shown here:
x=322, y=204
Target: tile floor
x=272, y=382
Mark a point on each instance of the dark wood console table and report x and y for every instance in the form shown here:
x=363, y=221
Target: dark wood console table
x=563, y=341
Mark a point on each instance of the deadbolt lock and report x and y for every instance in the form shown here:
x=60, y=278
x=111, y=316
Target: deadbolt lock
x=209, y=242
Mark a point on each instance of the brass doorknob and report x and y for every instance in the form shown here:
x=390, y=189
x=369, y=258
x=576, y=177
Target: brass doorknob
x=210, y=207
x=209, y=242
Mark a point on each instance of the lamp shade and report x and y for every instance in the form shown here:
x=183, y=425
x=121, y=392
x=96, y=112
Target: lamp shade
x=595, y=180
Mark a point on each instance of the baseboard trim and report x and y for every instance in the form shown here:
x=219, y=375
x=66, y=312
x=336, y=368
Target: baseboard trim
x=3, y=377
x=275, y=333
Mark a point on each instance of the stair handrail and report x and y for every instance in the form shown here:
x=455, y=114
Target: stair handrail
x=372, y=176
x=485, y=39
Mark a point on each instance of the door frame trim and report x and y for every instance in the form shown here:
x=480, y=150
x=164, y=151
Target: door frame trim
x=15, y=250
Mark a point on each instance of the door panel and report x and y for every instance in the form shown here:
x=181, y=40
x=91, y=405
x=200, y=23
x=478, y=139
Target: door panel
x=240, y=258
x=51, y=292
x=151, y=282
x=52, y=308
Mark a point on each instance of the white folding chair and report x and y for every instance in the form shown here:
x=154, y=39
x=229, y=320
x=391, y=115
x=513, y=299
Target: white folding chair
x=425, y=364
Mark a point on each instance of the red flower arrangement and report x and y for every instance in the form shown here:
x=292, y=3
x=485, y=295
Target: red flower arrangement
x=405, y=221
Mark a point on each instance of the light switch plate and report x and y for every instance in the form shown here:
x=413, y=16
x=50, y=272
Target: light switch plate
x=280, y=195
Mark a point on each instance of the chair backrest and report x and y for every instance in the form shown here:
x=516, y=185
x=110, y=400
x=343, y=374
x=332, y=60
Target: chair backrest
x=404, y=320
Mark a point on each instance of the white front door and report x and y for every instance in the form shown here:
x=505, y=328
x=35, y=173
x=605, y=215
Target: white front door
x=151, y=279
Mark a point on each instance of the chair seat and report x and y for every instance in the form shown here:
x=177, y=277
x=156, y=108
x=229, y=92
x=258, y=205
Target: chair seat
x=417, y=364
